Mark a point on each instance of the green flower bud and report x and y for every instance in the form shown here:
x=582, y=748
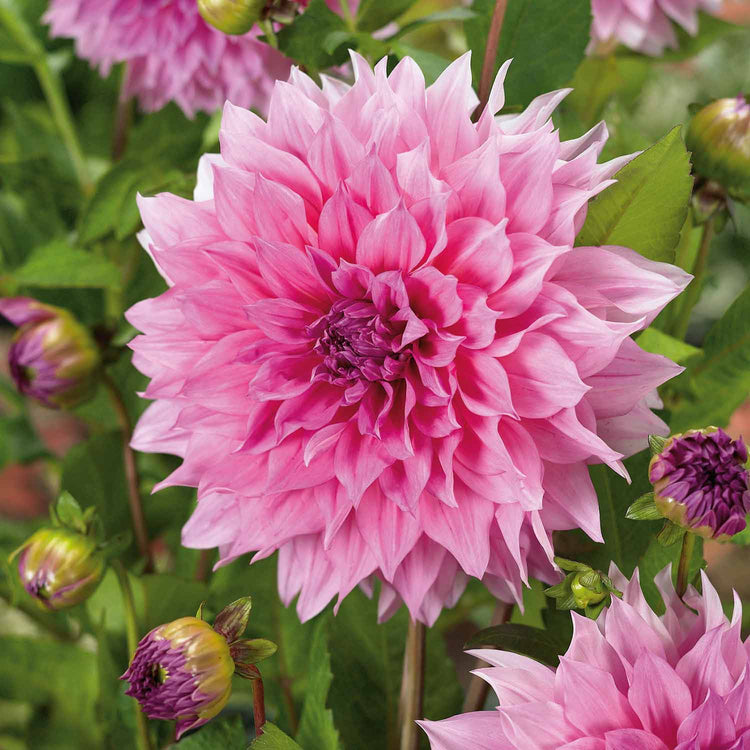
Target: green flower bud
x=719, y=137
x=587, y=590
x=231, y=16
x=60, y=567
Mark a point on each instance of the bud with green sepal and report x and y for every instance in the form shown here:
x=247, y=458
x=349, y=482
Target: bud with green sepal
x=583, y=588
x=719, y=138
x=232, y=16
x=52, y=357
x=183, y=670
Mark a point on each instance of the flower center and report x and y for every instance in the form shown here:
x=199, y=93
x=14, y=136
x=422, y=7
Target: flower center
x=356, y=343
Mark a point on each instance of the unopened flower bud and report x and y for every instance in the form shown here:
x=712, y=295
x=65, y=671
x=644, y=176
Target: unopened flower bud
x=52, y=357
x=719, y=137
x=60, y=567
x=701, y=482
x=231, y=16
x=583, y=588
x=587, y=589
x=183, y=670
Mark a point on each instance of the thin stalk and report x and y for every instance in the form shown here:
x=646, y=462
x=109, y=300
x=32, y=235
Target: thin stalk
x=131, y=471
x=686, y=554
x=202, y=566
x=693, y=292
x=346, y=14
x=259, y=705
x=131, y=630
x=476, y=695
x=267, y=28
x=53, y=90
x=412, y=686
x=490, y=55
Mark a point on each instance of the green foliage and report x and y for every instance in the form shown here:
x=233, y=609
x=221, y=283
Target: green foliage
x=543, y=645
x=717, y=381
x=646, y=209
x=274, y=739
x=304, y=39
x=227, y=734
x=545, y=44
x=374, y=14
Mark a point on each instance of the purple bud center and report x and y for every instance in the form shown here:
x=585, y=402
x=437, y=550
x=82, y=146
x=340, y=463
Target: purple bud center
x=705, y=472
x=357, y=343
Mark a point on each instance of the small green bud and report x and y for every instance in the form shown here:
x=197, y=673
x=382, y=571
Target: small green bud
x=587, y=590
x=583, y=588
x=719, y=137
x=231, y=16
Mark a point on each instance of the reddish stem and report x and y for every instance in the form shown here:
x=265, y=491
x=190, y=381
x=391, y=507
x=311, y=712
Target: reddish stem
x=490, y=55
x=259, y=705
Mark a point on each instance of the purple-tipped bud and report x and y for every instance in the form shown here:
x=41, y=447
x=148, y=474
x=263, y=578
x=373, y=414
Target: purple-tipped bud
x=52, y=358
x=701, y=482
x=60, y=567
x=719, y=137
x=183, y=671
x=231, y=16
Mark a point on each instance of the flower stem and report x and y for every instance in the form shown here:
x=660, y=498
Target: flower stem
x=476, y=695
x=267, y=27
x=412, y=686
x=259, y=705
x=693, y=292
x=53, y=89
x=131, y=471
x=131, y=629
x=490, y=55
x=346, y=14
x=686, y=554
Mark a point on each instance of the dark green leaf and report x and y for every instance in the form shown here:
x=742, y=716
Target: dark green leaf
x=374, y=14
x=646, y=208
x=431, y=64
x=219, y=734
x=546, y=44
x=274, y=739
x=19, y=442
x=543, y=645
x=168, y=597
x=60, y=266
x=316, y=727
x=304, y=39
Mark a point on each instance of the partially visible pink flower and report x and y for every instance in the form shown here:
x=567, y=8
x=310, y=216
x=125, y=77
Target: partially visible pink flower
x=646, y=25
x=630, y=680
x=171, y=52
x=380, y=353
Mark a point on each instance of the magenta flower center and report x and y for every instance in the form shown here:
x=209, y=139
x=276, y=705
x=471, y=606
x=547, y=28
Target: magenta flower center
x=357, y=343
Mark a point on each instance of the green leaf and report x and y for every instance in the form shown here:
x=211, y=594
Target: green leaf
x=546, y=44
x=227, y=734
x=646, y=208
x=374, y=14
x=716, y=383
x=19, y=443
x=543, y=645
x=316, y=727
x=440, y=16
x=273, y=739
x=670, y=534
x=644, y=509
x=304, y=39
x=168, y=597
x=60, y=266
x=657, y=342
x=431, y=64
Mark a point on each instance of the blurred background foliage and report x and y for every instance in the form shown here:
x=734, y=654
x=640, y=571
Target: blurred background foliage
x=71, y=242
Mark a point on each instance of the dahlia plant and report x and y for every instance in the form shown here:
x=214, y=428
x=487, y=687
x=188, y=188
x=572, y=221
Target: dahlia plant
x=424, y=350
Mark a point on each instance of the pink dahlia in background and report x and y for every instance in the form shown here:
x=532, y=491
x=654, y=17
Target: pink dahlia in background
x=171, y=52
x=380, y=353
x=629, y=681
x=646, y=25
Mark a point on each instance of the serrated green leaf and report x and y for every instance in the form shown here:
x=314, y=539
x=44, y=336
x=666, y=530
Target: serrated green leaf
x=273, y=739
x=646, y=209
x=303, y=40
x=60, y=266
x=543, y=645
x=546, y=44
x=316, y=727
x=719, y=381
x=374, y=14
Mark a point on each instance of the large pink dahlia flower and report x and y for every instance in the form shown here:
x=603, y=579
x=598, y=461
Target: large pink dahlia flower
x=629, y=681
x=380, y=353
x=646, y=25
x=171, y=52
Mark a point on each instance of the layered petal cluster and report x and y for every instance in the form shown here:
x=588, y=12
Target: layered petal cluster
x=170, y=51
x=380, y=353
x=630, y=680
x=646, y=25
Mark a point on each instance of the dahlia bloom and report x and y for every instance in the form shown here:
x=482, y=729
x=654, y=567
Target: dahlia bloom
x=646, y=25
x=380, y=353
x=53, y=357
x=701, y=482
x=171, y=52
x=630, y=680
